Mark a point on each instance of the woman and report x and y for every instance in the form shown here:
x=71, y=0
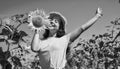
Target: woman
x=52, y=49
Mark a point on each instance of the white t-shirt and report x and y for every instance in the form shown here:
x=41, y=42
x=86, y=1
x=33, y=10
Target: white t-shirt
x=53, y=52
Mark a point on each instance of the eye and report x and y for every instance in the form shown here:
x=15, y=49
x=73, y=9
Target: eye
x=55, y=21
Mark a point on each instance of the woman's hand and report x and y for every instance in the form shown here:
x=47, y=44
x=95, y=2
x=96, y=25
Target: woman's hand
x=41, y=31
x=99, y=12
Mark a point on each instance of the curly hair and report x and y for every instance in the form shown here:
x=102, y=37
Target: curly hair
x=62, y=21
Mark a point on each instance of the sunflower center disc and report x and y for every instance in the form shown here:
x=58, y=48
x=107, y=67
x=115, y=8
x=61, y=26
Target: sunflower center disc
x=37, y=21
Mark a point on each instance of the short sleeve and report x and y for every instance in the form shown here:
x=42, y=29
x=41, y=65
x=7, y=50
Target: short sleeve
x=65, y=39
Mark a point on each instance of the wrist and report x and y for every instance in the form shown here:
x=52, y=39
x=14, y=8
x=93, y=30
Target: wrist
x=99, y=15
x=36, y=31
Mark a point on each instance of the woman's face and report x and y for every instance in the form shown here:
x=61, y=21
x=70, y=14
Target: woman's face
x=54, y=26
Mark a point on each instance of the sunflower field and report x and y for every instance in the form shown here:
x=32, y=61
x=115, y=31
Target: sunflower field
x=99, y=52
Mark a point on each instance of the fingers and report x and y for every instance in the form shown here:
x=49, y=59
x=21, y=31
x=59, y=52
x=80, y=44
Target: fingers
x=39, y=30
x=99, y=10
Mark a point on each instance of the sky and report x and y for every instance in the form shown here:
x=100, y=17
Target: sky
x=77, y=12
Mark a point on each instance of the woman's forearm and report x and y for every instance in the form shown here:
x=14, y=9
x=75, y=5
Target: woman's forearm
x=91, y=22
x=35, y=42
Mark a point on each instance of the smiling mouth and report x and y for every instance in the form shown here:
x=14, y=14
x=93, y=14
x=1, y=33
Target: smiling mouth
x=51, y=27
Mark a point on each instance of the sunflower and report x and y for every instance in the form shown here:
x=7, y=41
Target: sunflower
x=37, y=19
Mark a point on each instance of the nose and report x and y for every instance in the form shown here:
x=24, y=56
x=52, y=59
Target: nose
x=53, y=24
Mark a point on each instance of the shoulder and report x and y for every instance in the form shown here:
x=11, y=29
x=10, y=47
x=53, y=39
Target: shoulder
x=65, y=37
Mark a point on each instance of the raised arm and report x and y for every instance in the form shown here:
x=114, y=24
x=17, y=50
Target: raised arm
x=76, y=33
x=35, y=42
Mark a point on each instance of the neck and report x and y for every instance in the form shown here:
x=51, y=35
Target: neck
x=52, y=35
